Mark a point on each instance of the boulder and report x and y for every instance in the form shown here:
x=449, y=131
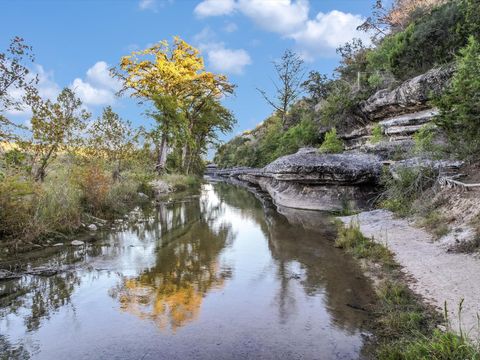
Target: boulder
x=314, y=181
x=160, y=187
x=413, y=95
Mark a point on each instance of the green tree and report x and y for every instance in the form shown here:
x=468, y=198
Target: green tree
x=460, y=104
x=112, y=138
x=317, y=87
x=332, y=144
x=15, y=78
x=55, y=127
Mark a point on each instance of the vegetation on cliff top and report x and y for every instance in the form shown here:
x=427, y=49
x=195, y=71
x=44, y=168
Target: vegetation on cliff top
x=408, y=39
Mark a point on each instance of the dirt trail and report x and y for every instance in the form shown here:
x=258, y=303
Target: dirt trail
x=437, y=275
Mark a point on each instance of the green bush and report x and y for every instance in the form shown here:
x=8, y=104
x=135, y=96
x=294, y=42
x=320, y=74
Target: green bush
x=431, y=40
x=460, y=104
x=438, y=346
x=272, y=142
x=351, y=239
x=339, y=106
x=405, y=187
x=377, y=134
x=58, y=205
x=332, y=144
x=16, y=205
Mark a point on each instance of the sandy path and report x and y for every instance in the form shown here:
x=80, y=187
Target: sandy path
x=439, y=276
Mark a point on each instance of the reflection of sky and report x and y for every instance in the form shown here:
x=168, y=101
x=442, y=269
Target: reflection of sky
x=257, y=311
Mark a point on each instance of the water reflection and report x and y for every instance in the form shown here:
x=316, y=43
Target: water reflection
x=186, y=267
x=300, y=242
x=218, y=273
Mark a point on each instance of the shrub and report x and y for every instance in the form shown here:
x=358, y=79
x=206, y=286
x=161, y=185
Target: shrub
x=57, y=205
x=438, y=346
x=332, y=144
x=120, y=197
x=16, y=205
x=339, y=106
x=95, y=184
x=460, y=104
x=377, y=134
x=272, y=141
x=432, y=39
x=424, y=140
x=405, y=187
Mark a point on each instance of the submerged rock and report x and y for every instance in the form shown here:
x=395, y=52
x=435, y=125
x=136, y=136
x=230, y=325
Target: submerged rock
x=77, y=243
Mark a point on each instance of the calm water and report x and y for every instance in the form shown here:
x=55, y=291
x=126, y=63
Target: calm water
x=208, y=276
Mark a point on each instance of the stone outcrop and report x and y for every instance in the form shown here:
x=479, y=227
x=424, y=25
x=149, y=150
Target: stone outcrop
x=310, y=180
x=412, y=95
x=314, y=181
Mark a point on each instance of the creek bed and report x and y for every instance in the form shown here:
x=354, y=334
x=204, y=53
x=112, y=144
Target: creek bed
x=216, y=275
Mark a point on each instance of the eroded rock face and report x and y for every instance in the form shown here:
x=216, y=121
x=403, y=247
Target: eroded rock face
x=308, y=166
x=411, y=96
x=314, y=181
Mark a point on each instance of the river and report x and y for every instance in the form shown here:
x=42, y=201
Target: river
x=209, y=275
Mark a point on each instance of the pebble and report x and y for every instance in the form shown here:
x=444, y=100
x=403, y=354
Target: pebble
x=77, y=243
x=92, y=227
x=58, y=244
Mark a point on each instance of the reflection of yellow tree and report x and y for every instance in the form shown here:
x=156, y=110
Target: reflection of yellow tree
x=187, y=267
x=166, y=303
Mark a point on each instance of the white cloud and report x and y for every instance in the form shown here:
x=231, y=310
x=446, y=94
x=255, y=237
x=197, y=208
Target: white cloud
x=319, y=36
x=147, y=5
x=99, y=87
x=99, y=74
x=91, y=95
x=214, y=8
x=280, y=16
x=232, y=61
x=219, y=57
x=327, y=32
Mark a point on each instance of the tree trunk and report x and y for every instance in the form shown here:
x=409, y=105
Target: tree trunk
x=116, y=171
x=161, y=155
x=184, y=158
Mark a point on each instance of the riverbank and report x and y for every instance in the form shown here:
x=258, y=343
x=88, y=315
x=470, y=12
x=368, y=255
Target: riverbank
x=72, y=207
x=428, y=295
x=443, y=279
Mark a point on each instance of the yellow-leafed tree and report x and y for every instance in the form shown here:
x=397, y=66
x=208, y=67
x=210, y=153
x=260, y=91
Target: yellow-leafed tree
x=174, y=78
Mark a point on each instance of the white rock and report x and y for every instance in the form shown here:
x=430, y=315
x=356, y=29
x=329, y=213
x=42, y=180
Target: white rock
x=92, y=227
x=142, y=195
x=77, y=243
x=58, y=244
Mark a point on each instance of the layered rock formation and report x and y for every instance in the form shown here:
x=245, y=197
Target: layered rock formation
x=336, y=182
x=310, y=180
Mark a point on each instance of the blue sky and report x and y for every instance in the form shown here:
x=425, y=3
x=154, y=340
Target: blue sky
x=76, y=41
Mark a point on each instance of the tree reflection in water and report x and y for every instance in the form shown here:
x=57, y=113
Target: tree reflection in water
x=301, y=243
x=187, y=265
